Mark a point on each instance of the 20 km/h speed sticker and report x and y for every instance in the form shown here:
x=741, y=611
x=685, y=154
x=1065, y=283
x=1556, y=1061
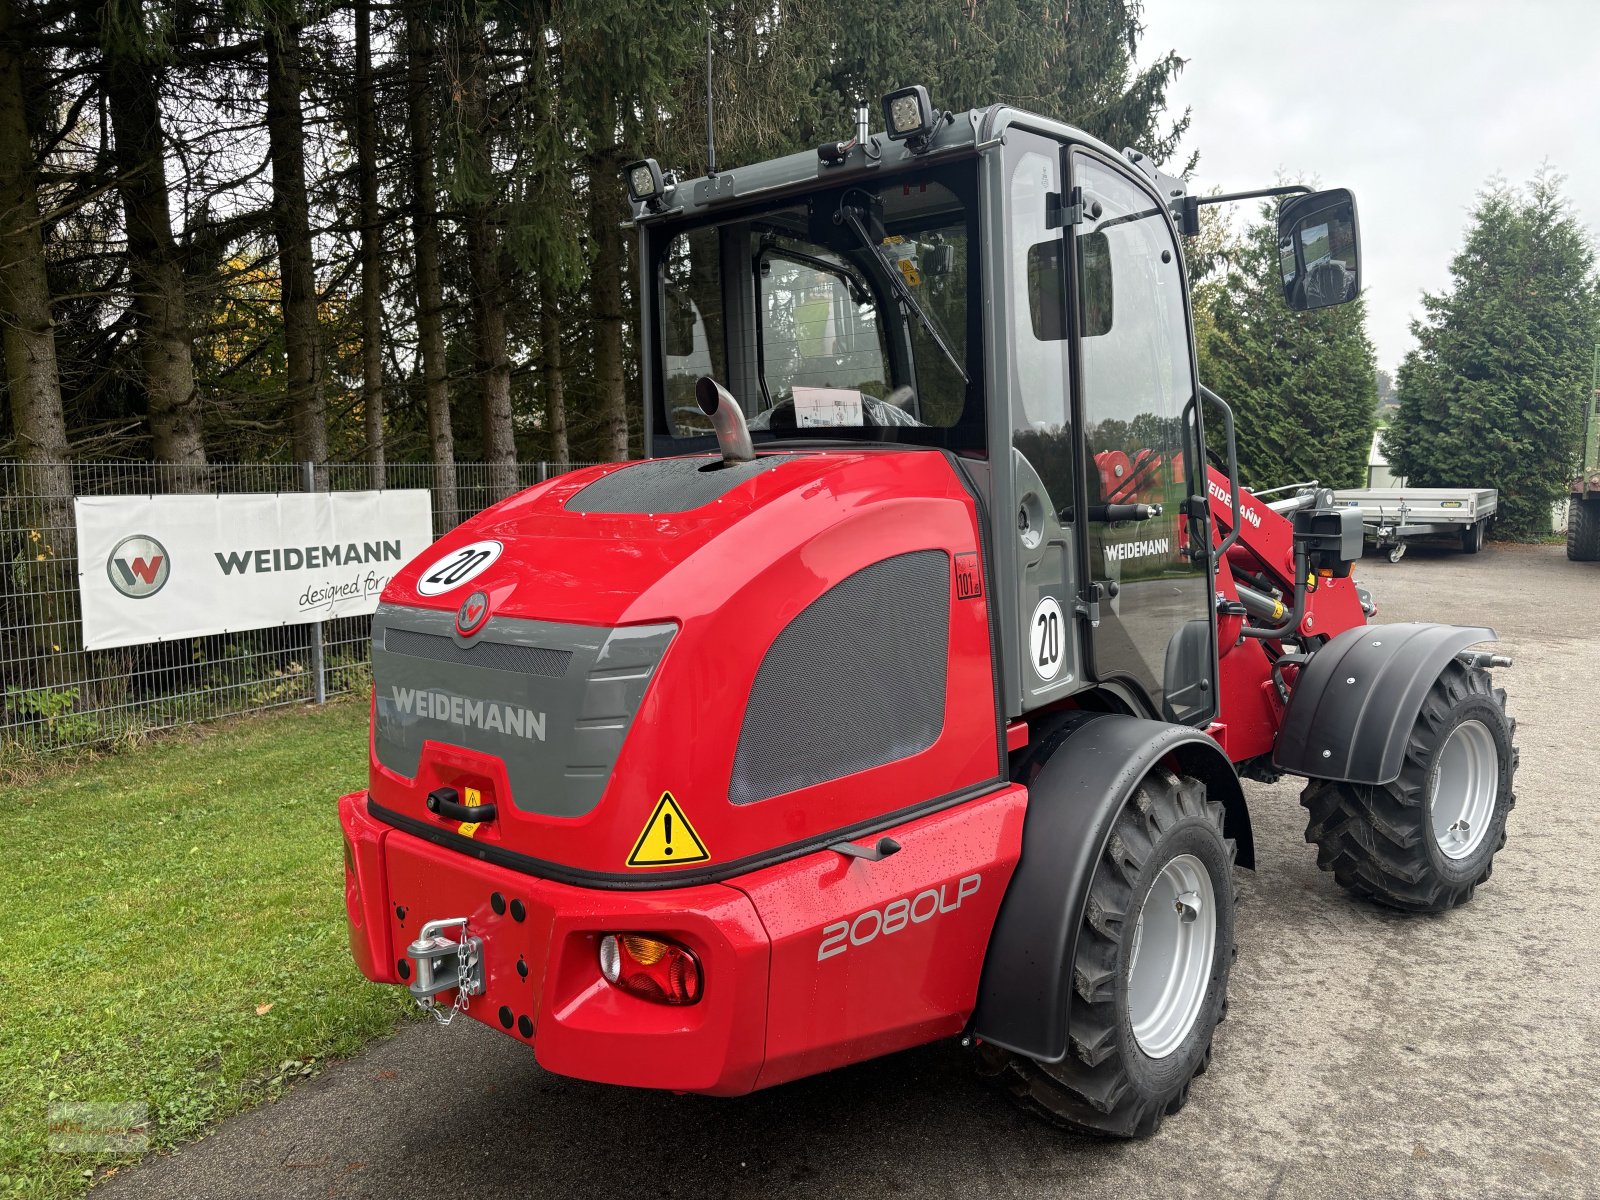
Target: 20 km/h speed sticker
x=457, y=567
x=1045, y=633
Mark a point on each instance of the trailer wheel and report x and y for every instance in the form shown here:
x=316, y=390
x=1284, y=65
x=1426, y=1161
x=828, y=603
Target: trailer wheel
x=1397, y=552
x=1583, y=529
x=1472, y=538
x=1423, y=842
x=1150, y=972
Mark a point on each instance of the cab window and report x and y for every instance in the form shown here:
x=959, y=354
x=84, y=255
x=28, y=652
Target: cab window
x=819, y=334
x=692, y=334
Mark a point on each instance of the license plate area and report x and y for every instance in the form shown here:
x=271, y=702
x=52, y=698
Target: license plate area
x=438, y=897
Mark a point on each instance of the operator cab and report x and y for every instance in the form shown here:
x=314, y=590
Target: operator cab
x=850, y=311
x=1010, y=292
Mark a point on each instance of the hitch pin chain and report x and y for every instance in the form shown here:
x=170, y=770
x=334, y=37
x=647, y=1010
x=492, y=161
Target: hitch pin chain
x=430, y=951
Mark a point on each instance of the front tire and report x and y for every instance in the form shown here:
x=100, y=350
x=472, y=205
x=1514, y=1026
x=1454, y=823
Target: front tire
x=1424, y=842
x=1150, y=971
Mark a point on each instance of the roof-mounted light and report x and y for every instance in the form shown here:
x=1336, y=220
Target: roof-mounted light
x=908, y=114
x=646, y=183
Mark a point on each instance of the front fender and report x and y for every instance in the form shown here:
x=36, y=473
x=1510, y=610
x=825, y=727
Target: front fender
x=1355, y=702
x=1095, y=762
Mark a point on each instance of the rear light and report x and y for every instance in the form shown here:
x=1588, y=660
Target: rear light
x=650, y=967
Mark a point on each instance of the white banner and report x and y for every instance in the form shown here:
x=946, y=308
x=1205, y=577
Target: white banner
x=154, y=568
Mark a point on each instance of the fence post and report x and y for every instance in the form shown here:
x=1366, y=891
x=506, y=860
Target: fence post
x=319, y=680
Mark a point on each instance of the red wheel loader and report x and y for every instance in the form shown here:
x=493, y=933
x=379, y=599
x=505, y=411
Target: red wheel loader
x=904, y=691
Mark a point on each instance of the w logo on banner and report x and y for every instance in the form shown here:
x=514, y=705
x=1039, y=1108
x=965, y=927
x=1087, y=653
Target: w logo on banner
x=138, y=566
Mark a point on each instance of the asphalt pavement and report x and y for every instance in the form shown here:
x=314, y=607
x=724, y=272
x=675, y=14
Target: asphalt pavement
x=1366, y=1053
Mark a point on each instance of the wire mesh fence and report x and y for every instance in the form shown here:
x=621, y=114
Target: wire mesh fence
x=56, y=695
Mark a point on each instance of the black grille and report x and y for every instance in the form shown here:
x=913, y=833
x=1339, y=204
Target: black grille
x=495, y=656
x=855, y=681
x=668, y=485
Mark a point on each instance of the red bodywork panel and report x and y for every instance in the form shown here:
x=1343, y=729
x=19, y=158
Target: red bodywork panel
x=810, y=963
x=731, y=575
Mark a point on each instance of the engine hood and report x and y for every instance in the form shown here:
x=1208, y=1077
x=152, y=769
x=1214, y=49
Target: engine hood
x=635, y=542
x=583, y=650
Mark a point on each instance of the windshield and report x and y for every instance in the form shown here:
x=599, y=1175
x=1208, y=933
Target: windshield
x=843, y=314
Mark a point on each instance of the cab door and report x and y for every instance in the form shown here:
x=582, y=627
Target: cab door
x=1149, y=581
x=1037, y=538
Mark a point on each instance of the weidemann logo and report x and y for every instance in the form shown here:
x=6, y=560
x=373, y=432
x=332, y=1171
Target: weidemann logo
x=138, y=566
x=306, y=558
x=509, y=719
x=1123, y=551
x=1249, y=513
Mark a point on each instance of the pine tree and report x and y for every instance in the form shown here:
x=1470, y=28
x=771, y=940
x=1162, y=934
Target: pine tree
x=1302, y=384
x=1492, y=396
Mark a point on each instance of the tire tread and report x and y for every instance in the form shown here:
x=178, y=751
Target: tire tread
x=1583, y=529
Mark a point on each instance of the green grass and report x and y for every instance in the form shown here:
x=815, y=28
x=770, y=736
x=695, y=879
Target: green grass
x=153, y=904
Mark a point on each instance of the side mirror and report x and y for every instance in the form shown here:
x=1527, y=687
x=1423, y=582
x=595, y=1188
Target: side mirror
x=1319, y=249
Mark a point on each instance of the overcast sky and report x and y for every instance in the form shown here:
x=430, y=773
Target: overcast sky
x=1413, y=104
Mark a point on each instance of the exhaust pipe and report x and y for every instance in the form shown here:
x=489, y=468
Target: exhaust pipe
x=727, y=418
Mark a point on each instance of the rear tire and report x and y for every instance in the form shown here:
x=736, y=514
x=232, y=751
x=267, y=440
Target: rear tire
x=1140, y=1026
x=1583, y=529
x=1472, y=538
x=1424, y=842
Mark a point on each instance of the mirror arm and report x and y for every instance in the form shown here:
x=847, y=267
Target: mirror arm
x=1190, y=222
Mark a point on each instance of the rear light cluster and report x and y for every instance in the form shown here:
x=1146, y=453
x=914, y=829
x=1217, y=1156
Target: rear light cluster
x=650, y=967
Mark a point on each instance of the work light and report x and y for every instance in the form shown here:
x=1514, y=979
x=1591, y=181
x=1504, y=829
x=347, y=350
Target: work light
x=908, y=113
x=645, y=185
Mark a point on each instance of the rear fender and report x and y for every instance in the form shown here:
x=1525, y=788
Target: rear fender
x=1355, y=702
x=1093, y=762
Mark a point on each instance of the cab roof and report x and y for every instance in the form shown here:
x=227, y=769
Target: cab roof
x=964, y=134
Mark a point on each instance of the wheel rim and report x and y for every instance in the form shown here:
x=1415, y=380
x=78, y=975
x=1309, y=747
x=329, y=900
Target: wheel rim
x=1169, y=970
x=1466, y=780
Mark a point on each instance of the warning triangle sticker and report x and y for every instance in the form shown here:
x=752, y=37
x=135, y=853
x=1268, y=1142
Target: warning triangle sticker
x=668, y=838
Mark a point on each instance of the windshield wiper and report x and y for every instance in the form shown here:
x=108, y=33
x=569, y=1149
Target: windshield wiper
x=902, y=290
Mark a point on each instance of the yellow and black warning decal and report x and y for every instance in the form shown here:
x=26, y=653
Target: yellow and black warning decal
x=472, y=798
x=668, y=838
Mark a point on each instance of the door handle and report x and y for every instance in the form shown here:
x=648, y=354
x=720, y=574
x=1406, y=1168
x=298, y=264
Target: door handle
x=1124, y=512
x=442, y=802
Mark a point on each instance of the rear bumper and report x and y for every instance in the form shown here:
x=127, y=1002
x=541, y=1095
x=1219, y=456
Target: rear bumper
x=544, y=966
x=808, y=965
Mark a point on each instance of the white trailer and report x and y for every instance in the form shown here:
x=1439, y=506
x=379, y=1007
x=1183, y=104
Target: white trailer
x=1394, y=515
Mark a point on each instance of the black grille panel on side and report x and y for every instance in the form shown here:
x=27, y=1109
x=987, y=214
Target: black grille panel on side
x=855, y=681
x=497, y=656
x=668, y=485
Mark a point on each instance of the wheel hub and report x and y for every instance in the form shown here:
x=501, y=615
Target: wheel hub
x=1169, y=970
x=1466, y=780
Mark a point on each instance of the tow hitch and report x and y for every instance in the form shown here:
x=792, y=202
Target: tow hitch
x=442, y=964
